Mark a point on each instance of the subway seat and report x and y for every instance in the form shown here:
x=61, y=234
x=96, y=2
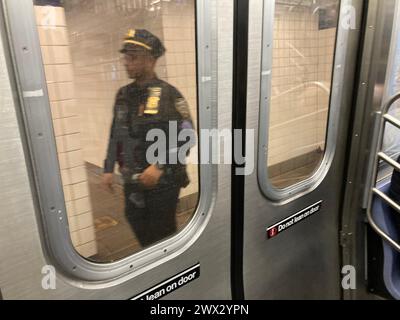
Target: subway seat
x=384, y=217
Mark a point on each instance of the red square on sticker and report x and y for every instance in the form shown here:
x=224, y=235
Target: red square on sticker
x=272, y=232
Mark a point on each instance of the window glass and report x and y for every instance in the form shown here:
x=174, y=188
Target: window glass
x=391, y=141
x=303, y=55
x=119, y=72
x=391, y=87
x=391, y=144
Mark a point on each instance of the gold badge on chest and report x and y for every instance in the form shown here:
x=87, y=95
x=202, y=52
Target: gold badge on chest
x=153, y=101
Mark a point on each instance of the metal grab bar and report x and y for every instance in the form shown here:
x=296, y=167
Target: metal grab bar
x=392, y=120
x=387, y=199
x=389, y=160
x=384, y=118
x=391, y=102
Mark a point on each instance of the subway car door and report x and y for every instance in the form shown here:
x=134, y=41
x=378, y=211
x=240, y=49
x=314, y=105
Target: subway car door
x=78, y=234
x=302, y=63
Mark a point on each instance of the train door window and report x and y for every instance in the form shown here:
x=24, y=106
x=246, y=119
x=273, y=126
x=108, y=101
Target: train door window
x=298, y=64
x=118, y=71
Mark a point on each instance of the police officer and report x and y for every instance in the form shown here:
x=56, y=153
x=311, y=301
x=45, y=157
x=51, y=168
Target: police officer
x=151, y=189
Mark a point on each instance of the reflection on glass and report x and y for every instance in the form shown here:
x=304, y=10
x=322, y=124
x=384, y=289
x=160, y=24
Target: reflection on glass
x=115, y=71
x=391, y=145
x=303, y=54
x=391, y=141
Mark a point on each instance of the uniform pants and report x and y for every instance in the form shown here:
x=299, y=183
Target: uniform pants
x=396, y=197
x=157, y=220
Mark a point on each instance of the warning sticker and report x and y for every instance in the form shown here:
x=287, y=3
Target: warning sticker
x=286, y=224
x=166, y=287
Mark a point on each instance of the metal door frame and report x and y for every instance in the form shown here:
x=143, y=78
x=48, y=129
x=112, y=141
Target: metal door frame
x=372, y=68
x=263, y=254
x=40, y=135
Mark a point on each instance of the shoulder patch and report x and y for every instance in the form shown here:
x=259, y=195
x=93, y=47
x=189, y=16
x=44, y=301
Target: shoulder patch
x=182, y=107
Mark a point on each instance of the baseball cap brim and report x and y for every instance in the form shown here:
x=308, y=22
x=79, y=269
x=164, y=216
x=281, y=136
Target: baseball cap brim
x=130, y=47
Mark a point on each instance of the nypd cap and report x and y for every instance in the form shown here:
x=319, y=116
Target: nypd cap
x=142, y=39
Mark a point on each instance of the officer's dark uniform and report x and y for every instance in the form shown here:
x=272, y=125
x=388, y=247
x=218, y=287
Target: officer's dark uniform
x=137, y=110
x=394, y=193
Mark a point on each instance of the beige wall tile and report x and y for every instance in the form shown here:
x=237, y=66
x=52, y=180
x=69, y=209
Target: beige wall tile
x=70, y=205
x=86, y=235
x=59, y=73
x=56, y=55
x=66, y=177
x=72, y=142
x=67, y=193
x=63, y=109
x=75, y=238
x=88, y=249
x=68, y=143
x=63, y=161
x=82, y=205
x=73, y=223
x=75, y=158
x=77, y=175
x=66, y=126
x=85, y=220
x=60, y=79
x=60, y=144
x=54, y=36
x=50, y=16
x=61, y=91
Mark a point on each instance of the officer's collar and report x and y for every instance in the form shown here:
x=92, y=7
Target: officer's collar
x=147, y=84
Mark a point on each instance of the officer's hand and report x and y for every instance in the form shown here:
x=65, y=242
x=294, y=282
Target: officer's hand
x=150, y=177
x=108, y=180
